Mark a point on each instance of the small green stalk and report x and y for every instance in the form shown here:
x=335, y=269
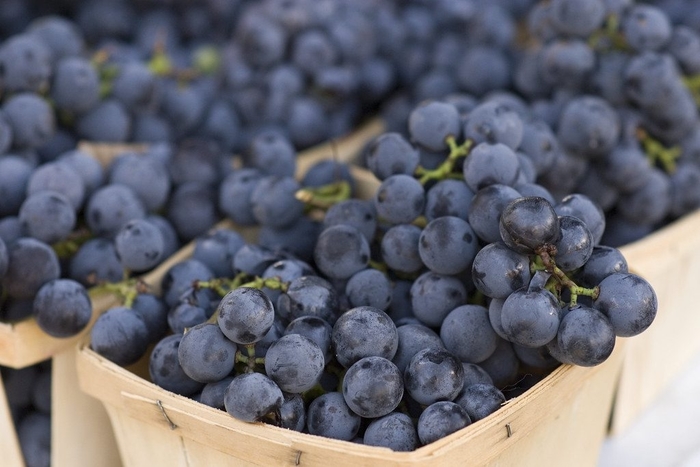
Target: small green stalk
x=325, y=196
x=609, y=37
x=445, y=170
x=545, y=255
x=126, y=290
x=70, y=245
x=223, y=285
x=657, y=153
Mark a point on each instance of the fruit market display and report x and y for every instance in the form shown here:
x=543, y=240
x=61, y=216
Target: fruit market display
x=525, y=142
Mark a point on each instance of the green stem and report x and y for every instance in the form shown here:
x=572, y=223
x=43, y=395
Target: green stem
x=250, y=348
x=325, y=196
x=608, y=37
x=445, y=170
x=126, y=290
x=545, y=254
x=70, y=245
x=657, y=153
x=379, y=266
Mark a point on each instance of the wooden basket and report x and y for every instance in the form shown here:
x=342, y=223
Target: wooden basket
x=563, y=419
x=669, y=260
x=560, y=421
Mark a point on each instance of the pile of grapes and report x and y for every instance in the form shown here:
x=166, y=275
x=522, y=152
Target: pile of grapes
x=525, y=142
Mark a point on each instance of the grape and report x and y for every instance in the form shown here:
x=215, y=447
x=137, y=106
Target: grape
x=297, y=239
x=120, y=335
x=650, y=203
x=76, y=85
x=486, y=208
x=399, y=199
x=412, y=339
x=585, y=337
x=575, y=245
x=184, y=316
x=589, y=127
x=433, y=296
x=252, y=396
x=47, y=216
x=341, y=251
x=369, y=287
x=199, y=161
x=328, y=415
x=328, y=171
x=390, y=154
x=146, y=176
x=295, y=363
x=581, y=206
x=480, y=400
x=530, y=317
x=183, y=106
x=394, y=431
x=62, y=308
x=106, y=122
x=400, y=250
x=474, y=374
x=529, y=223
x=4, y=258
x=60, y=178
x=364, y=332
x=213, y=393
x=627, y=168
x=111, y=207
x=646, y=27
x=492, y=122
x=433, y=375
x=467, y=333
x=497, y=271
x=135, y=87
x=14, y=176
x=314, y=328
x=96, y=261
x=178, y=280
x=628, y=301
x=34, y=436
x=431, y=123
x=357, y=213
x=285, y=270
x=308, y=123
x=292, y=413
x=373, y=387
x=441, y=419
x=154, y=313
x=192, y=209
x=165, y=370
x=205, y=354
x=273, y=201
x=59, y=34
x=309, y=296
x=566, y=63
x=86, y=166
x=217, y=249
x=245, y=315
x=448, y=198
x=31, y=119
x=253, y=260
x=482, y=69
x=447, y=245
x=32, y=264
x=26, y=63
x=222, y=124
x=139, y=245
x=273, y=154
x=539, y=144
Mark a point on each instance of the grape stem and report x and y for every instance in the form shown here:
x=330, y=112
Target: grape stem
x=325, y=196
x=445, y=169
x=693, y=84
x=545, y=254
x=250, y=361
x=126, y=290
x=608, y=37
x=70, y=245
x=656, y=152
x=224, y=285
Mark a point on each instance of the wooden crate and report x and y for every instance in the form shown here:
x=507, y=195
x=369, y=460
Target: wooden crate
x=670, y=260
